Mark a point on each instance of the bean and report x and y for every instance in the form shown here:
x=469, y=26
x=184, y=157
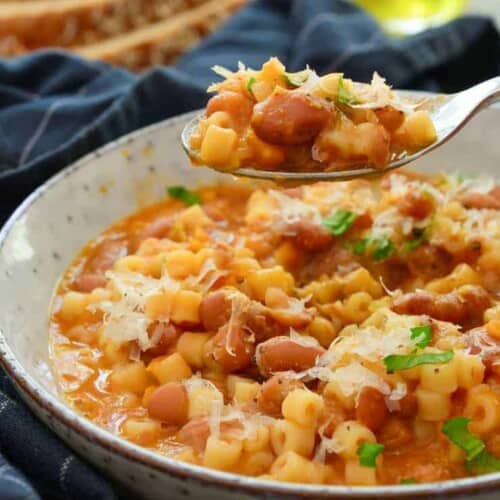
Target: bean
x=215, y=310
x=371, y=410
x=333, y=416
x=416, y=204
x=482, y=344
x=86, y=282
x=289, y=118
x=157, y=228
x=407, y=405
x=106, y=254
x=233, y=349
x=169, y=403
x=430, y=261
x=274, y=391
x=309, y=236
x=464, y=306
x=395, y=433
x=282, y=353
x=195, y=433
x=391, y=118
x=489, y=200
x=238, y=106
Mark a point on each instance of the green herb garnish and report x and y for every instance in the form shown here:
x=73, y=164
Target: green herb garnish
x=183, y=194
x=420, y=236
x=421, y=335
x=382, y=247
x=368, y=453
x=250, y=83
x=344, y=96
x=339, y=222
x=297, y=79
x=408, y=480
x=483, y=463
x=456, y=429
x=398, y=362
x=359, y=247
x=478, y=460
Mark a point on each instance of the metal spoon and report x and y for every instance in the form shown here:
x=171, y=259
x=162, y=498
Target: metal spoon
x=448, y=112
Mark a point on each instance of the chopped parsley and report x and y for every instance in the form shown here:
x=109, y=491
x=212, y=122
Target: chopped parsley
x=344, y=96
x=408, y=480
x=382, y=246
x=478, y=460
x=183, y=194
x=297, y=79
x=368, y=453
x=398, y=362
x=456, y=429
x=421, y=335
x=339, y=222
x=250, y=83
x=483, y=463
x=419, y=237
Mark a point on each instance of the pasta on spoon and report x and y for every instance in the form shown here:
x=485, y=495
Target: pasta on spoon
x=270, y=119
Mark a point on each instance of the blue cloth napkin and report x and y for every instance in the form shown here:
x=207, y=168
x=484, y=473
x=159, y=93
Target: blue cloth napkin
x=55, y=107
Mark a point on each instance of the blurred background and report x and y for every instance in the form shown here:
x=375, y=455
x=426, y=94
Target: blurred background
x=138, y=34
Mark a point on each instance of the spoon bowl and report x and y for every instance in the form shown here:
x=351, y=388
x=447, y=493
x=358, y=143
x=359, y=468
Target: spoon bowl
x=449, y=113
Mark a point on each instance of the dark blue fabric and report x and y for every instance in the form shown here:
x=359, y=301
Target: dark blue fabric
x=55, y=107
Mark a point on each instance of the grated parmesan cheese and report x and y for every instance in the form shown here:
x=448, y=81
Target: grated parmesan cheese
x=124, y=320
x=292, y=210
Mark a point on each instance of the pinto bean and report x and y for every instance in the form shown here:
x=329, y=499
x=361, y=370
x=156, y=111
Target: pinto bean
x=333, y=415
x=274, y=391
x=167, y=334
x=195, y=433
x=327, y=263
x=157, y=228
x=487, y=347
x=407, y=405
x=430, y=261
x=237, y=105
x=309, y=236
x=106, y=254
x=394, y=433
x=215, y=310
x=464, y=306
x=233, y=349
x=283, y=353
x=86, y=282
x=416, y=204
x=169, y=403
x=371, y=410
x=289, y=118
x=489, y=200
x=262, y=324
x=390, y=117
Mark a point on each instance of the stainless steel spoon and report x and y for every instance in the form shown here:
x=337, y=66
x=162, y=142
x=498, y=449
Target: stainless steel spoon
x=448, y=112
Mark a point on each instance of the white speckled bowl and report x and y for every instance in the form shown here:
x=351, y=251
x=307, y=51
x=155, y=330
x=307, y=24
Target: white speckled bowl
x=51, y=226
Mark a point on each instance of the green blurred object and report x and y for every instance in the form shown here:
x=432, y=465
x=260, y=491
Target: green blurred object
x=405, y=17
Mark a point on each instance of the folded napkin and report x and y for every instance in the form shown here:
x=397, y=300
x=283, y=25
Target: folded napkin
x=55, y=107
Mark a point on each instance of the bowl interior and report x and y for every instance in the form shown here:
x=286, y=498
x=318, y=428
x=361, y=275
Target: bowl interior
x=53, y=224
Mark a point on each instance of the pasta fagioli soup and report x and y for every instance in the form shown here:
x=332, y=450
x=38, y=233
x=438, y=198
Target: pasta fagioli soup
x=335, y=333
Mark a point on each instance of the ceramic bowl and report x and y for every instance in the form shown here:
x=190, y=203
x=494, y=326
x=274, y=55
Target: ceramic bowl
x=51, y=226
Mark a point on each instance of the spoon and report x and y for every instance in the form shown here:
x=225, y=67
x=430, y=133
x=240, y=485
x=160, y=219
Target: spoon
x=449, y=114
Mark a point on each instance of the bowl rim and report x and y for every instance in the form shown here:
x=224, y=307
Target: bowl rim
x=55, y=407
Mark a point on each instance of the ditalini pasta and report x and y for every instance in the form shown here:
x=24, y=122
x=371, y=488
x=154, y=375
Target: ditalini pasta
x=344, y=333
x=270, y=119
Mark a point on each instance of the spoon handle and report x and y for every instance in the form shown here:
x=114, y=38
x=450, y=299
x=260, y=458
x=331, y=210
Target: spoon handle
x=488, y=92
